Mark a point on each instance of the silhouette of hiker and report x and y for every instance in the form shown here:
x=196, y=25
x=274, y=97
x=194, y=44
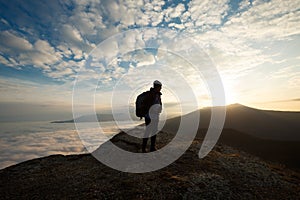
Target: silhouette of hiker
x=153, y=107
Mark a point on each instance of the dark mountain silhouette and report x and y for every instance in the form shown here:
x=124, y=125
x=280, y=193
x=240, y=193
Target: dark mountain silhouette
x=90, y=118
x=274, y=125
x=272, y=135
x=283, y=152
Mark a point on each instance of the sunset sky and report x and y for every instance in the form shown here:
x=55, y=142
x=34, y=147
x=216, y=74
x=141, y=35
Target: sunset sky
x=254, y=44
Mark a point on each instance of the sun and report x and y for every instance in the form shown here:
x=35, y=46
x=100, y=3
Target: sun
x=230, y=93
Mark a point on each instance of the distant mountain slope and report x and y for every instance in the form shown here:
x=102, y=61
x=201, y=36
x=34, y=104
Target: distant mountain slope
x=272, y=135
x=284, y=152
x=100, y=117
x=274, y=125
x=88, y=118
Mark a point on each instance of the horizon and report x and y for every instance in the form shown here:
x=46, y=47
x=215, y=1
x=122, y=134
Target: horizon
x=44, y=47
x=43, y=117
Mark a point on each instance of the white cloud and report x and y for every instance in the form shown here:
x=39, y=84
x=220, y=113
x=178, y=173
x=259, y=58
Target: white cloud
x=238, y=47
x=175, y=12
x=208, y=12
x=244, y=42
x=20, y=148
x=43, y=56
x=10, y=43
x=130, y=41
x=70, y=34
x=266, y=20
x=43, y=47
x=178, y=26
x=40, y=54
x=61, y=73
x=88, y=21
x=294, y=82
x=85, y=22
x=15, y=90
x=22, y=53
x=286, y=72
x=9, y=62
x=4, y=21
x=244, y=4
x=143, y=59
x=156, y=18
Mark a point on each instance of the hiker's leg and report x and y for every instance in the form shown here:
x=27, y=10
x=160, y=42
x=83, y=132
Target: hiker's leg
x=154, y=131
x=148, y=127
x=153, y=140
x=144, y=145
x=147, y=133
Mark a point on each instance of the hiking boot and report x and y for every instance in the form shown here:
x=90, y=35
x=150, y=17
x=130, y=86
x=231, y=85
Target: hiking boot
x=153, y=149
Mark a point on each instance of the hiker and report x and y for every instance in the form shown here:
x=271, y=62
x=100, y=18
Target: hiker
x=153, y=107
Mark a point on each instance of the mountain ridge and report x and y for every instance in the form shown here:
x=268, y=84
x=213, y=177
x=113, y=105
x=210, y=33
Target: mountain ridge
x=265, y=124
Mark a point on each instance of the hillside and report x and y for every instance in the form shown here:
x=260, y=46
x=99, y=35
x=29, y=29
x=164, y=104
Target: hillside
x=91, y=118
x=283, y=152
x=271, y=135
x=274, y=125
x=225, y=173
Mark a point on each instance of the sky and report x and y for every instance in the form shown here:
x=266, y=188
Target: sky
x=45, y=46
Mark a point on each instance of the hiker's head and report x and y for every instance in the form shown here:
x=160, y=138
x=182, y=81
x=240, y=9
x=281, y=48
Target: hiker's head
x=157, y=85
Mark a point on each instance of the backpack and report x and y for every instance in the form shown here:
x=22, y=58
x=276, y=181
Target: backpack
x=140, y=107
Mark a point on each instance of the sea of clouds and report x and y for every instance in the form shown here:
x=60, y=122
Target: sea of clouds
x=21, y=141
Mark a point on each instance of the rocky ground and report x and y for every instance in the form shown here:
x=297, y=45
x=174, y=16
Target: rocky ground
x=224, y=174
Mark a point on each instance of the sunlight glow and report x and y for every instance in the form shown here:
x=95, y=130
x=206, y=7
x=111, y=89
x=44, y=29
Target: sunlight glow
x=230, y=93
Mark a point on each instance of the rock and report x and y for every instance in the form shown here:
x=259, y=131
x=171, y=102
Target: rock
x=225, y=173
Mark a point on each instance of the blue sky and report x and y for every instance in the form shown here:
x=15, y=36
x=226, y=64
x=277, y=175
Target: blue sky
x=253, y=44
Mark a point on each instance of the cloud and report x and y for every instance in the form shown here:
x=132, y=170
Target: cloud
x=80, y=28
x=286, y=72
x=18, y=148
x=16, y=90
x=87, y=17
x=20, y=145
x=173, y=12
x=294, y=82
x=10, y=43
x=40, y=54
x=244, y=4
x=265, y=20
x=178, y=26
x=143, y=59
x=285, y=100
x=10, y=62
x=245, y=42
x=43, y=56
x=47, y=49
x=61, y=73
x=241, y=39
x=22, y=52
x=207, y=13
x=70, y=34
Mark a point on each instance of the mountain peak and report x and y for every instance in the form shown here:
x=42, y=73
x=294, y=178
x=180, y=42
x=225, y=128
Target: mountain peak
x=237, y=105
